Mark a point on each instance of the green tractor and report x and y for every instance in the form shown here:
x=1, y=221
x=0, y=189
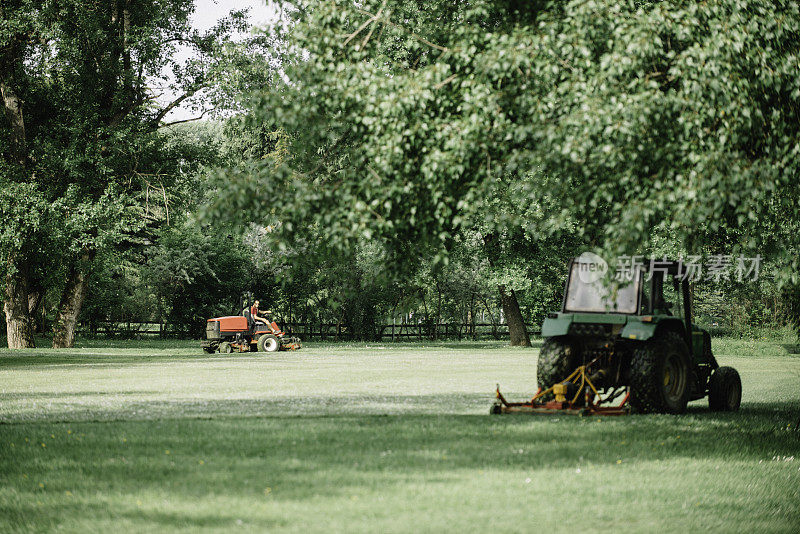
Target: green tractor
x=634, y=338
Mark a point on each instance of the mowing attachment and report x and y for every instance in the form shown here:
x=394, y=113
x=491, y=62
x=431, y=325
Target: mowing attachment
x=581, y=399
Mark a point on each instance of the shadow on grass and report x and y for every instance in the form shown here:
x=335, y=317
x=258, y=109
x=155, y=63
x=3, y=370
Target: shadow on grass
x=307, y=443
x=21, y=515
x=201, y=520
x=40, y=360
x=63, y=408
x=6, y=397
x=480, y=345
x=138, y=349
x=301, y=454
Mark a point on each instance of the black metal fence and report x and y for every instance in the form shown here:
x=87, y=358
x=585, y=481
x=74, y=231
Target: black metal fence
x=404, y=331
x=321, y=331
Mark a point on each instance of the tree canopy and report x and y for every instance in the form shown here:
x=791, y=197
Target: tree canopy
x=622, y=118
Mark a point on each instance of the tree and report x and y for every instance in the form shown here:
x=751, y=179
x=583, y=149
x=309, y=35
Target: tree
x=79, y=133
x=621, y=116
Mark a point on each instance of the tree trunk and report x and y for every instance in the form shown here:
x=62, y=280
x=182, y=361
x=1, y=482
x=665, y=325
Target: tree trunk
x=471, y=316
x=19, y=324
x=34, y=301
x=438, y=311
x=492, y=318
x=71, y=302
x=35, y=309
x=508, y=301
x=13, y=110
x=516, y=324
x=126, y=53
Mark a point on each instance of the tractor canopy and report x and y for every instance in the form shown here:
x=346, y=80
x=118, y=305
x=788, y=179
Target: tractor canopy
x=632, y=305
x=588, y=291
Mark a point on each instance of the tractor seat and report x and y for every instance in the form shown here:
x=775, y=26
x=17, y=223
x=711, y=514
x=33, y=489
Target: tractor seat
x=251, y=324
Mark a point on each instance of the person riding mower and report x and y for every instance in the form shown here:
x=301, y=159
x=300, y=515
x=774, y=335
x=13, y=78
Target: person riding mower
x=248, y=332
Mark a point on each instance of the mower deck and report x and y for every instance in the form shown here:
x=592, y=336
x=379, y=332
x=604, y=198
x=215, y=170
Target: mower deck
x=562, y=406
x=502, y=406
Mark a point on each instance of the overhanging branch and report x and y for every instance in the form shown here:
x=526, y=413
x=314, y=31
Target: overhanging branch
x=172, y=105
x=173, y=123
x=377, y=18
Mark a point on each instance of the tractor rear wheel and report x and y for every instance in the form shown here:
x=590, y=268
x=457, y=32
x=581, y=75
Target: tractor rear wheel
x=725, y=390
x=558, y=358
x=659, y=375
x=268, y=343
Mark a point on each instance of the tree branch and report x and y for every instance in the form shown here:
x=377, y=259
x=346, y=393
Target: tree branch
x=184, y=120
x=372, y=27
x=172, y=105
x=352, y=35
x=184, y=40
x=445, y=81
x=390, y=23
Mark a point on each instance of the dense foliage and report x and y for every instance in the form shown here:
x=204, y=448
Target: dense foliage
x=430, y=162
x=627, y=116
x=81, y=151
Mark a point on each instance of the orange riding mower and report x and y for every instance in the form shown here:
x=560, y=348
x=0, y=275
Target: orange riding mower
x=234, y=334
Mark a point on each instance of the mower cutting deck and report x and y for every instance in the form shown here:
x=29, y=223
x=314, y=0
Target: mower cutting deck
x=570, y=399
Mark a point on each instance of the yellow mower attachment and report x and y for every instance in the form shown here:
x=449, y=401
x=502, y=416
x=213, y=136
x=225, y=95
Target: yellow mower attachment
x=593, y=402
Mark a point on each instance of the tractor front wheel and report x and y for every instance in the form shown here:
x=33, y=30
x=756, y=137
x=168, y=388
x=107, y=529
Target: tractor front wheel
x=268, y=343
x=225, y=347
x=725, y=390
x=659, y=375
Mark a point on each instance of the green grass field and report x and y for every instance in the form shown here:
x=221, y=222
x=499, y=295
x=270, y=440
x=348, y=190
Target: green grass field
x=148, y=437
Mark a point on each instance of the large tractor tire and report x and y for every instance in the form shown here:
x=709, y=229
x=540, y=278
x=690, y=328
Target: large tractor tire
x=268, y=343
x=725, y=390
x=558, y=358
x=660, y=375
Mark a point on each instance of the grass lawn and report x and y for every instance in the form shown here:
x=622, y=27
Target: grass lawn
x=138, y=437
